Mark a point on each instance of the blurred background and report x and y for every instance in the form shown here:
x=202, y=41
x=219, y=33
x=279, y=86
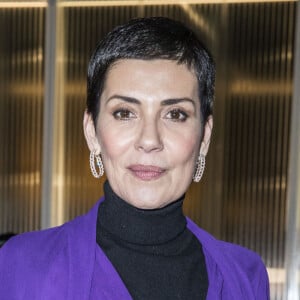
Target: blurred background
x=250, y=193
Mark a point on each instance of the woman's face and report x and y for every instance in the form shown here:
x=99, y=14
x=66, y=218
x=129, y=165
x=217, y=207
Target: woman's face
x=148, y=130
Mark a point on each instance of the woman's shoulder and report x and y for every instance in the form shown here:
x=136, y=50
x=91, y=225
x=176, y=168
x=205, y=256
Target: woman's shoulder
x=32, y=263
x=236, y=262
x=27, y=259
x=249, y=267
x=41, y=240
x=243, y=258
x=32, y=251
x=221, y=248
x=47, y=240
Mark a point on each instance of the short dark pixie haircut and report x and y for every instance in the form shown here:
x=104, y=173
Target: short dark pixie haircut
x=149, y=39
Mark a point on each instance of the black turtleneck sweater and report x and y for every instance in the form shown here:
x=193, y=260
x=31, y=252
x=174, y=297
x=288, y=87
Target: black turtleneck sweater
x=155, y=254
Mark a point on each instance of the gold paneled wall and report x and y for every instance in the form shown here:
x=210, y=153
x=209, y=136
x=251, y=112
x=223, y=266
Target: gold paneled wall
x=21, y=111
x=257, y=127
x=243, y=195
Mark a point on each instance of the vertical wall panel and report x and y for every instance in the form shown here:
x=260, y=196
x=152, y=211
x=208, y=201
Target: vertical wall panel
x=21, y=105
x=257, y=126
x=292, y=255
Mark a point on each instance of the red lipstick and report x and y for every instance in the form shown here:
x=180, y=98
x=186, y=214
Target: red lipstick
x=146, y=172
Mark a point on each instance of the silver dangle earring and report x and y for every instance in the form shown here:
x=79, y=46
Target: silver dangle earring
x=200, y=165
x=99, y=164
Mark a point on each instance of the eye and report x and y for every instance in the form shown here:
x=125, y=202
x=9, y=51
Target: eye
x=123, y=114
x=177, y=115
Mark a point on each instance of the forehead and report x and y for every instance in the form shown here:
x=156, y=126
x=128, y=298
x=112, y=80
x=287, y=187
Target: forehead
x=157, y=78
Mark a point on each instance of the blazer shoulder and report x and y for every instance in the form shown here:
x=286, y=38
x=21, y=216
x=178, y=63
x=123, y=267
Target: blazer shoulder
x=244, y=257
x=236, y=255
x=28, y=260
x=41, y=242
x=249, y=264
x=241, y=265
x=32, y=252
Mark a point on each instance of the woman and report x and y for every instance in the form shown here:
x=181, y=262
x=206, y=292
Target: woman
x=148, y=125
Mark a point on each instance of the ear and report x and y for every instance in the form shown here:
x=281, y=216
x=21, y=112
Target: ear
x=206, y=135
x=90, y=133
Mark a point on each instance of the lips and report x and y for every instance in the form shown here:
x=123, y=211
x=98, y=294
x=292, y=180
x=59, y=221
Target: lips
x=146, y=172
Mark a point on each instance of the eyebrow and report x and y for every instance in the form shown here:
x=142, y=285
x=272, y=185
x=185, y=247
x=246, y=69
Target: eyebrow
x=124, y=98
x=165, y=102
x=177, y=100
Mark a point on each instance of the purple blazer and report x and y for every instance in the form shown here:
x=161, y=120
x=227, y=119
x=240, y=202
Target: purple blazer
x=65, y=262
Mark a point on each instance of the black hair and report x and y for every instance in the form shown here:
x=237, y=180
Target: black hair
x=5, y=237
x=151, y=38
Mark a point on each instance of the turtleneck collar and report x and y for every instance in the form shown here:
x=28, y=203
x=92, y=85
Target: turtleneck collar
x=139, y=226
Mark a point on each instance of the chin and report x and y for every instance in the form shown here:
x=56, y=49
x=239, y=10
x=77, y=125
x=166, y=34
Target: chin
x=146, y=205
x=149, y=200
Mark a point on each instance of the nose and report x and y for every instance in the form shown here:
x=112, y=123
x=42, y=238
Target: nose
x=149, y=137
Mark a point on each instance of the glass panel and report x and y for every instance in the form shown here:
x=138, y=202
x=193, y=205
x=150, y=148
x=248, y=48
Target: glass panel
x=256, y=147
x=21, y=111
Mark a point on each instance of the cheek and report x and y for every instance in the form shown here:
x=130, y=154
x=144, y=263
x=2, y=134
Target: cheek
x=184, y=148
x=114, y=141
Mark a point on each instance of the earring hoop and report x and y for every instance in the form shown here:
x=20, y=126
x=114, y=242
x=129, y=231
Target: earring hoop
x=99, y=164
x=200, y=166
